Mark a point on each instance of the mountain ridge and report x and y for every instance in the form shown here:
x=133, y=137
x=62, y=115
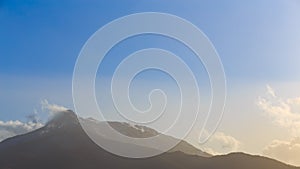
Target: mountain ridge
x=65, y=145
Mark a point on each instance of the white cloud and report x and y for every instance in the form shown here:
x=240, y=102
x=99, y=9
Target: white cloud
x=221, y=143
x=13, y=128
x=226, y=141
x=283, y=112
x=286, y=151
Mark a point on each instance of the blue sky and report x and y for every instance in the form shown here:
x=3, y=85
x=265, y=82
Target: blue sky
x=43, y=38
x=257, y=41
x=37, y=35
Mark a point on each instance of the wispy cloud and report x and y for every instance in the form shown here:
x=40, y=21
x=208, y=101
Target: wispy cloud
x=284, y=112
x=52, y=109
x=271, y=91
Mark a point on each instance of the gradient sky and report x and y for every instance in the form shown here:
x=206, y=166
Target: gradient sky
x=258, y=43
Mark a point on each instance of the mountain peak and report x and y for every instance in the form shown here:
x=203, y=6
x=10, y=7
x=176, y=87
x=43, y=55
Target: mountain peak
x=63, y=118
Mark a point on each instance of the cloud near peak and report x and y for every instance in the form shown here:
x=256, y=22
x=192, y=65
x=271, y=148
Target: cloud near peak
x=15, y=127
x=52, y=109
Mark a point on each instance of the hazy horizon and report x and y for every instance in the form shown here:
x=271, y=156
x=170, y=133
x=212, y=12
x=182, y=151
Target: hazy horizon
x=257, y=42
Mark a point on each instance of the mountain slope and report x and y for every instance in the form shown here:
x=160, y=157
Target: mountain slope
x=141, y=132
x=62, y=144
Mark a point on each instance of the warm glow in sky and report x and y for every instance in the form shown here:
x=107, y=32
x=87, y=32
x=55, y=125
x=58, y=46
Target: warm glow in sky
x=257, y=41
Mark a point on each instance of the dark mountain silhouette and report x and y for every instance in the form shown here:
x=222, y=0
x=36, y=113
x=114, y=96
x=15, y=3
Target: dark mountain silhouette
x=62, y=144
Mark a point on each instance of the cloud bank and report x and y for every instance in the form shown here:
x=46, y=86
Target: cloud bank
x=284, y=112
x=12, y=128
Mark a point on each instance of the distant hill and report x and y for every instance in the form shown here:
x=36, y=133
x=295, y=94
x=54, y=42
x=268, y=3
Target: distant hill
x=62, y=144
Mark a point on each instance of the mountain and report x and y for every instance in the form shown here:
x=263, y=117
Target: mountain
x=62, y=144
x=137, y=131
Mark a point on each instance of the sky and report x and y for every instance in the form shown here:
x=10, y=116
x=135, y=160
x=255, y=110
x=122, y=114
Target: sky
x=257, y=41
